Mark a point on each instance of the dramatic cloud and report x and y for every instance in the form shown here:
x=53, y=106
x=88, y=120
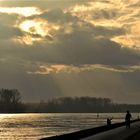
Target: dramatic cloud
x=54, y=69
x=71, y=48
x=113, y=13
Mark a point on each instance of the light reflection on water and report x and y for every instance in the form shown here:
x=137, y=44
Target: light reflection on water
x=36, y=126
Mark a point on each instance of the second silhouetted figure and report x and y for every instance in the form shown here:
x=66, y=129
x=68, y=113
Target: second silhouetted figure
x=127, y=119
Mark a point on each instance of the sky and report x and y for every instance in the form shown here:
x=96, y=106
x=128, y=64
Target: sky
x=56, y=48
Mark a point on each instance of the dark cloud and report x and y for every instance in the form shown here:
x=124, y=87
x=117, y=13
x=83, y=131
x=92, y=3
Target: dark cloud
x=7, y=29
x=83, y=44
x=57, y=15
x=9, y=32
x=8, y=19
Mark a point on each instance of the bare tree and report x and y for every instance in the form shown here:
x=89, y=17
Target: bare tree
x=10, y=101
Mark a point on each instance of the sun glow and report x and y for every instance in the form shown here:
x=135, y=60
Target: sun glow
x=24, y=11
x=38, y=26
x=33, y=27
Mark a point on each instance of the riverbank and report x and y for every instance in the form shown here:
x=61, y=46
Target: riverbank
x=120, y=133
x=96, y=133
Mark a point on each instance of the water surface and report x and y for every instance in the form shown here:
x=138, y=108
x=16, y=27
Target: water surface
x=36, y=126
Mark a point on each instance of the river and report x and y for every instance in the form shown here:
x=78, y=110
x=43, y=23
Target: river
x=39, y=125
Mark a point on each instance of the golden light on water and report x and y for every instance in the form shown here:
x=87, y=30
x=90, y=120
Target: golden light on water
x=24, y=11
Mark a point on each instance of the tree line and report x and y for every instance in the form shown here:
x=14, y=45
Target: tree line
x=11, y=102
x=84, y=105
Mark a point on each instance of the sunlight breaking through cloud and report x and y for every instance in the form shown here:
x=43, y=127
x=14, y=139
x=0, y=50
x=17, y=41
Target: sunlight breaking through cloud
x=52, y=45
x=116, y=13
x=27, y=40
x=24, y=11
x=38, y=26
x=59, y=68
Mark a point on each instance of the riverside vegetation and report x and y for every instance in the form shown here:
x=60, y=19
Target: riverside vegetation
x=11, y=102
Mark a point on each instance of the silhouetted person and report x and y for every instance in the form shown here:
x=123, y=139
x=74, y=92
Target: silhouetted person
x=109, y=121
x=97, y=115
x=127, y=119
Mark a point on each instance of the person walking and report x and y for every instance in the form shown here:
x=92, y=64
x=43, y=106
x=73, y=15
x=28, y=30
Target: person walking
x=128, y=117
x=109, y=121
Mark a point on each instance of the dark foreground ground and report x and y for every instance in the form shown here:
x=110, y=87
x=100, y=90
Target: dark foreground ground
x=135, y=136
x=101, y=133
x=120, y=133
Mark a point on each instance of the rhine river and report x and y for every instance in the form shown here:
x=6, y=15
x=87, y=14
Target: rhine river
x=36, y=126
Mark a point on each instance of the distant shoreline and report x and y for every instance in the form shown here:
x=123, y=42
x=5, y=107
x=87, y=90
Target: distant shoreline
x=65, y=112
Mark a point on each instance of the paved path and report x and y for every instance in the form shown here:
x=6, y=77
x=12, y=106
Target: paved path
x=121, y=133
x=135, y=136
